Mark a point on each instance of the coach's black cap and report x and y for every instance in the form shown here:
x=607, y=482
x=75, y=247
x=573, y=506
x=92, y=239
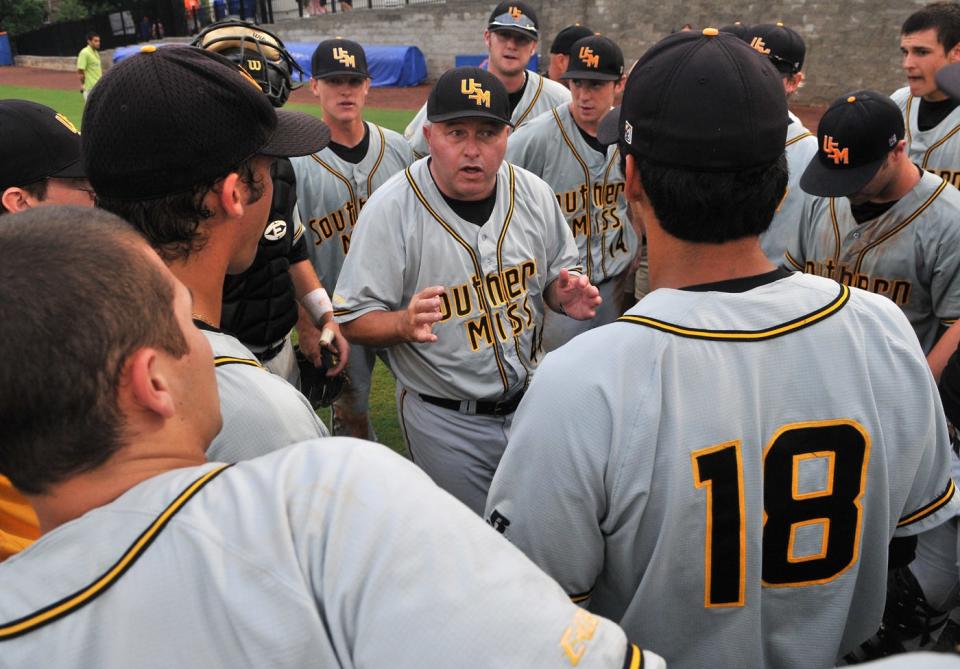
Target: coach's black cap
x=566, y=37
x=468, y=92
x=517, y=17
x=704, y=101
x=855, y=134
x=948, y=80
x=594, y=57
x=167, y=120
x=338, y=58
x=737, y=28
x=35, y=143
x=780, y=44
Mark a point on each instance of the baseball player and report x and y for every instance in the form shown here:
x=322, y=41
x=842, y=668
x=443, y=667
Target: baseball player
x=511, y=38
x=880, y=223
x=562, y=148
x=262, y=304
x=452, y=265
x=560, y=50
x=332, y=187
x=40, y=165
x=682, y=486
x=334, y=553
x=190, y=169
x=786, y=51
x=930, y=39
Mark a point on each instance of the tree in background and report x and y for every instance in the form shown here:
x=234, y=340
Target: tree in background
x=72, y=10
x=20, y=16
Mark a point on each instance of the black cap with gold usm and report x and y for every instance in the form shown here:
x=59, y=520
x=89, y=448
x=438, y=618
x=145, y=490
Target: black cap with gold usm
x=468, y=92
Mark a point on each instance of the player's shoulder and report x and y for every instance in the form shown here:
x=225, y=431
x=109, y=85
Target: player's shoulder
x=554, y=90
x=393, y=194
x=901, y=96
x=392, y=137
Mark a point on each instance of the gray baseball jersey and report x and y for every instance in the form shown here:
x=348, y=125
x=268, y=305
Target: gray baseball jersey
x=588, y=186
x=328, y=554
x=710, y=472
x=540, y=96
x=801, y=147
x=495, y=275
x=261, y=411
x=910, y=253
x=936, y=150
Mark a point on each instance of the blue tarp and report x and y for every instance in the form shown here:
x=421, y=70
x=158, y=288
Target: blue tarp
x=389, y=65
x=6, y=55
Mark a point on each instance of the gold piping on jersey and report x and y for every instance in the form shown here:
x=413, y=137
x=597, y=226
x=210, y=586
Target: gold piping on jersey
x=799, y=137
x=376, y=165
x=582, y=597
x=634, y=657
x=536, y=96
x=403, y=426
x=907, y=221
x=930, y=508
x=588, y=204
x=503, y=233
x=936, y=145
x=906, y=115
x=345, y=180
x=790, y=259
x=482, y=294
x=603, y=232
x=746, y=335
x=87, y=594
x=836, y=232
x=222, y=360
x=948, y=321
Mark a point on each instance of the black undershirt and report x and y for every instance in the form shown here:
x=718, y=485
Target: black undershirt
x=591, y=141
x=353, y=154
x=931, y=114
x=516, y=95
x=871, y=210
x=740, y=285
x=203, y=325
x=475, y=211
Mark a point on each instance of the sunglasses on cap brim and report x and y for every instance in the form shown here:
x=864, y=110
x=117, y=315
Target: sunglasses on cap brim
x=508, y=20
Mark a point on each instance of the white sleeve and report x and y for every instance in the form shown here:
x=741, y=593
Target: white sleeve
x=414, y=133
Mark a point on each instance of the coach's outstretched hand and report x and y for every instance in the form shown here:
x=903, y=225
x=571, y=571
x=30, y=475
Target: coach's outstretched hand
x=416, y=323
x=574, y=296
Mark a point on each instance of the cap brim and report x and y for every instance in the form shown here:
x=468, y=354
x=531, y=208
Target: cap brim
x=608, y=130
x=339, y=73
x=455, y=115
x=596, y=76
x=72, y=171
x=526, y=32
x=823, y=181
x=948, y=80
x=297, y=134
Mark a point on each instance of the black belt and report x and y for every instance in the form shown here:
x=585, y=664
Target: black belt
x=271, y=352
x=481, y=407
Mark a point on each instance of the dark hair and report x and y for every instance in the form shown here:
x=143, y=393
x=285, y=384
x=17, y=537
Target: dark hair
x=171, y=223
x=713, y=207
x=36, y=190
x=944, y=17
x=78, y=297
x=91, y=35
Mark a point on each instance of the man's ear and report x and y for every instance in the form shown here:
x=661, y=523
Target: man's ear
x=146, y=384
x=15, y=199
x=633, y=188
x=229, y=197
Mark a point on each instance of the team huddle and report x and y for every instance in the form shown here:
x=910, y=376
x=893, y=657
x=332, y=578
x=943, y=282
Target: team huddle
x=751, y=466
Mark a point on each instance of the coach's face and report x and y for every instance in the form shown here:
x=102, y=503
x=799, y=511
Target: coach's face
x=510, y=52
x=465, y=156
x=922, y=56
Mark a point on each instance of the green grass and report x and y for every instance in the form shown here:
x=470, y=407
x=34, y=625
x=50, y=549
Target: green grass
x=382, y=405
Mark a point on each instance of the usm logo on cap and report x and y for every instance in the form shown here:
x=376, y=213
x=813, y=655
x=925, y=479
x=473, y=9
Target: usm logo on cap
x=67, y=124
x=589, y=58
x=759, y=45
x=343, y=57
x=474, y=91
x=515, y=12
x=833, y=150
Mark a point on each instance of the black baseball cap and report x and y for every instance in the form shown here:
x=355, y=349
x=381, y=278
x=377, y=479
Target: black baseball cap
x=608, y=130
x=738, y=28
x=339, y=58
x=566, y=37
x=780, y=44
x=855, y=135
x=468, y=92
x=948, y=80
x=594, y=57
x=517, y=17
x=703, y=101
x=167, y=120
x=36, y=142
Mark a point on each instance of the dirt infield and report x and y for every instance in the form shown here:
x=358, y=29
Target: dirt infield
x=384, y=98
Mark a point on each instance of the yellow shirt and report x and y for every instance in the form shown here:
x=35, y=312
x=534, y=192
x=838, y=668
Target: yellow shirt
x=88, y=60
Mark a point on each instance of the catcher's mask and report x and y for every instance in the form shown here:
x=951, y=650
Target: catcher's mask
x=259, y=52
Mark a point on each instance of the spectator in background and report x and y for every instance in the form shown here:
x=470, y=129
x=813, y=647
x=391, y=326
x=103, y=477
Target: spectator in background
x=88, y=64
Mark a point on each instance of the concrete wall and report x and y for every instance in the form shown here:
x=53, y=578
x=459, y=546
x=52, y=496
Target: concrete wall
x=850, y=43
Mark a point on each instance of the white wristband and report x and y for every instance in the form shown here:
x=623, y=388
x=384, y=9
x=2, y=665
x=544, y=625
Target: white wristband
x=317, y=303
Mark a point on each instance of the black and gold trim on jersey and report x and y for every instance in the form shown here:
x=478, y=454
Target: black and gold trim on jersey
x=793, y=261
x=745, y=335
x=582, y=597
x=589, y=183
x=533, y=102
x=933, y=147
x=83, y=596
x=801, y=136
x=633, y=658
x=931, y=508
x=221, y=360
x=484, y=302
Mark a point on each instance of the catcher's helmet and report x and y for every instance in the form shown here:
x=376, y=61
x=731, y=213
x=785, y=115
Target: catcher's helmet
x=258, y=51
